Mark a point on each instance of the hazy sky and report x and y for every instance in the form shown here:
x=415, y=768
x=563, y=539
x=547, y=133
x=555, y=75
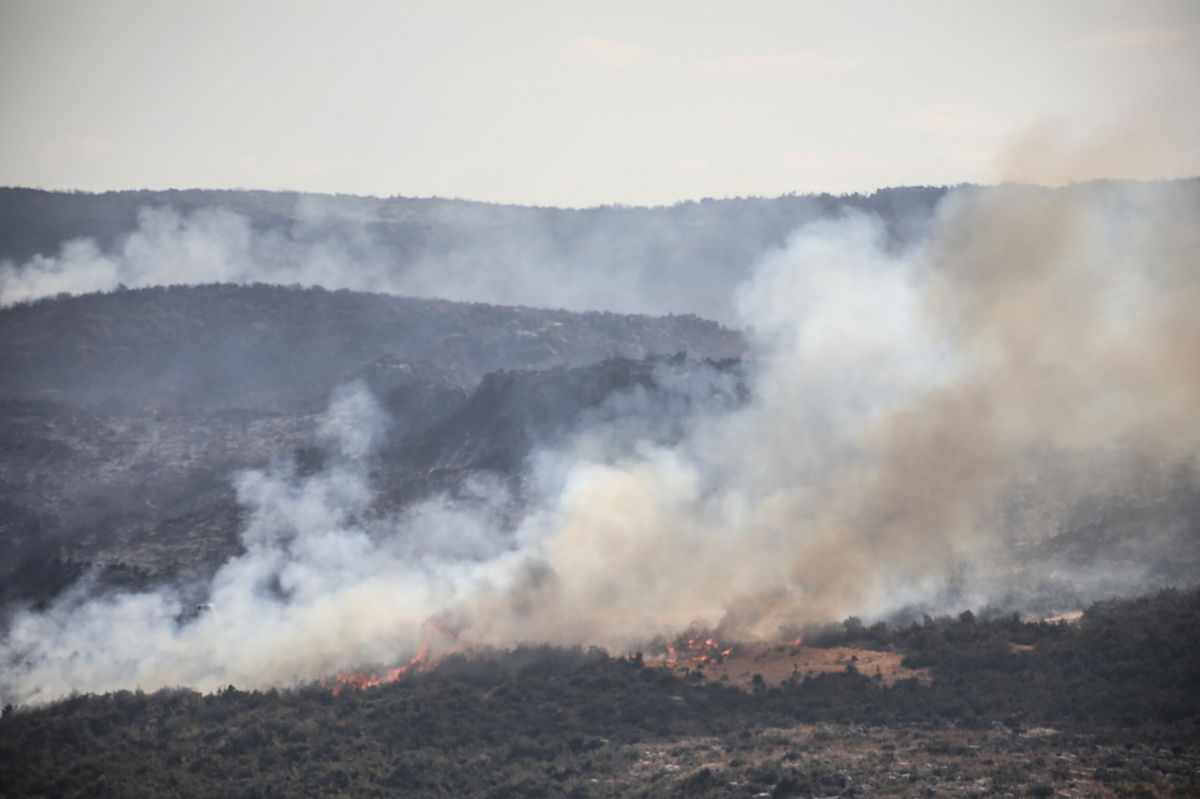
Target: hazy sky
x=572, y=103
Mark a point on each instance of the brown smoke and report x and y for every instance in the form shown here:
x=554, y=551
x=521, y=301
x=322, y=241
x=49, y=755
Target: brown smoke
x=1066, y=322
x=1073, y=312
x=1157, y=136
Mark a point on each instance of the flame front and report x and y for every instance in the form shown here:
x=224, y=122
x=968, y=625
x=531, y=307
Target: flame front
x=435, y=634
x=697, y=645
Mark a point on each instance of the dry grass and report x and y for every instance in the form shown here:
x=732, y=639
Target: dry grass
x=779, y=662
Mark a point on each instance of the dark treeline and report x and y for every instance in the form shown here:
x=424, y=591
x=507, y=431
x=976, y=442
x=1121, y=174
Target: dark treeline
x=551, y=722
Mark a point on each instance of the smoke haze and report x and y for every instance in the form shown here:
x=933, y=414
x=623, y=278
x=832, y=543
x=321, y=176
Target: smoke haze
x=897, y=397
x=689, y=258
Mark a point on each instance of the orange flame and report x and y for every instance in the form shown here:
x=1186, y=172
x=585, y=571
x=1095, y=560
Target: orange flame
x=425, y=660
x=697, y=645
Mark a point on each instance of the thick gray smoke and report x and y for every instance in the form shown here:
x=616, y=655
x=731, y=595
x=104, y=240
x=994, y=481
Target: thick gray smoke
x=897, y=400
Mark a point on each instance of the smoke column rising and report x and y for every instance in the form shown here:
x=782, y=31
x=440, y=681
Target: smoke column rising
x=895, y=399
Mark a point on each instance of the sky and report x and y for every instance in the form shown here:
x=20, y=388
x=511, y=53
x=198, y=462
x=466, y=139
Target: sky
x=588, y=103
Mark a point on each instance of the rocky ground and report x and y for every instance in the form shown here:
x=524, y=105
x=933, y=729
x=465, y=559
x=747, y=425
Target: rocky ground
x=917, y=761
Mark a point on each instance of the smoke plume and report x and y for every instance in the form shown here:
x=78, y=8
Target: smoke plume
x=897, y=401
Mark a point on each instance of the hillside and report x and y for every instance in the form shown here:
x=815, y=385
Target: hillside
x=1104, y=707
x=152, y=497
x=126, y=416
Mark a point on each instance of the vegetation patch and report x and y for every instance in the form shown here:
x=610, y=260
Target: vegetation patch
x=1108, y=706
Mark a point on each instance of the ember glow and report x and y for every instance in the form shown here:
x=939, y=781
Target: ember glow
x=359, y=680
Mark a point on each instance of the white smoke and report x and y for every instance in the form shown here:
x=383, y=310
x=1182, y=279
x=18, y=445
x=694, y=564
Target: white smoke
x=305, y=568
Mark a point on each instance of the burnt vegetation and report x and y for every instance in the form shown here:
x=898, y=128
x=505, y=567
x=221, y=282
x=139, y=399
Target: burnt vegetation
x=1109, y=704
